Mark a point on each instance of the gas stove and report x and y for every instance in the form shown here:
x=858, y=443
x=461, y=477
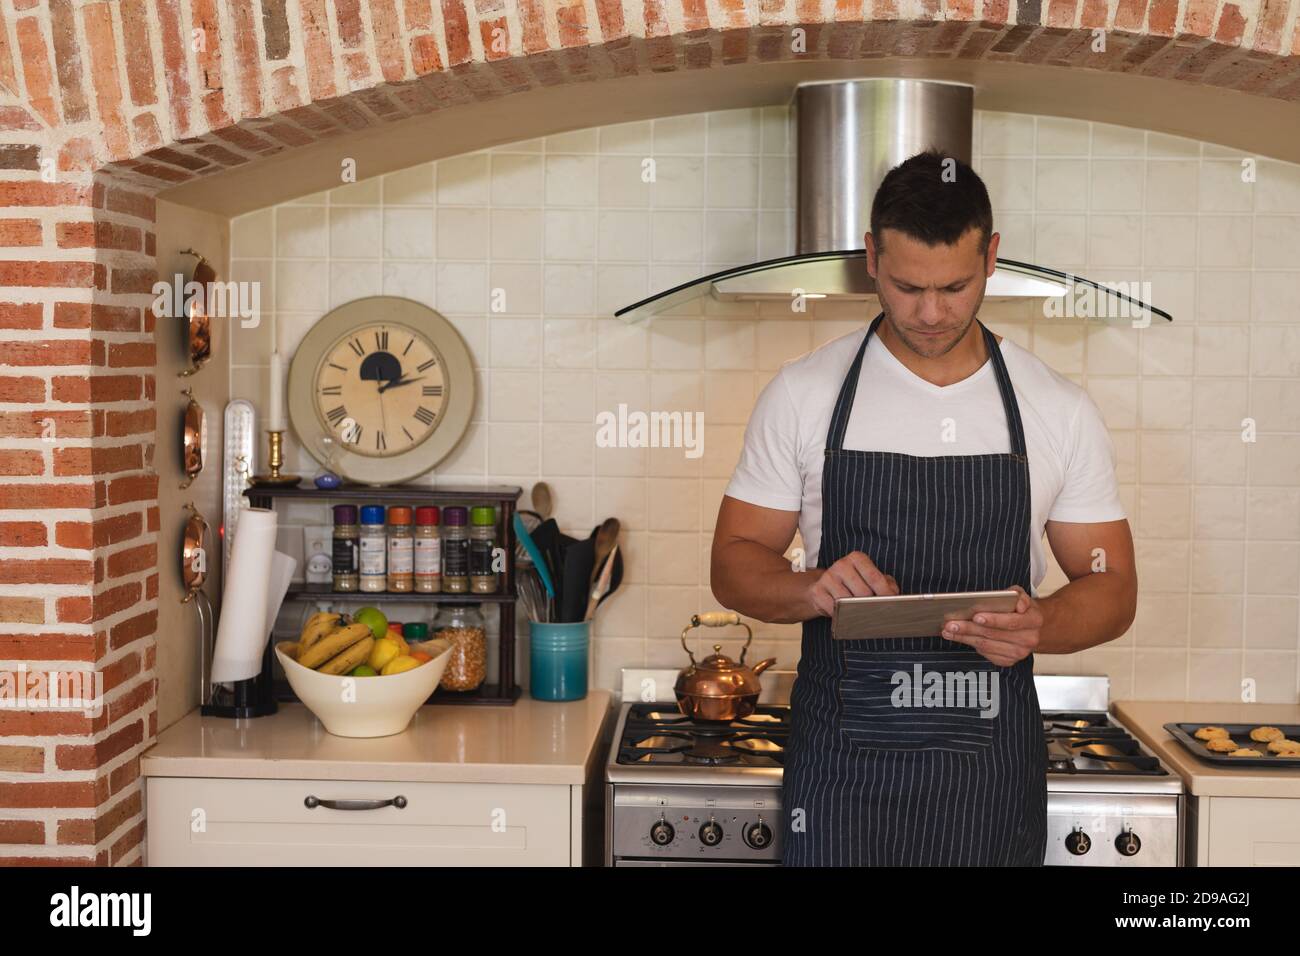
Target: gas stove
x=1084, y=743
x=661, y=736
x=683, y=792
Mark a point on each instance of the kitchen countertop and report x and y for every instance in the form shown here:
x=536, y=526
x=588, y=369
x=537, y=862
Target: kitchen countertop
x=533, y=742
x=1146, y=719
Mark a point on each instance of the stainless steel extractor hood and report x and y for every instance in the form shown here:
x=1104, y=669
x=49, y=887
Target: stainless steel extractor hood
x=850, y=133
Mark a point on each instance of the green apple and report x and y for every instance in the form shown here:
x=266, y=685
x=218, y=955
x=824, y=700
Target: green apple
x=363, y=670
x=375, y=618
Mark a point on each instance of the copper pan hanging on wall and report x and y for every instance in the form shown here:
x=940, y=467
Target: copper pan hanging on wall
x=194, y=554
x=194, y=439
x=199, y=332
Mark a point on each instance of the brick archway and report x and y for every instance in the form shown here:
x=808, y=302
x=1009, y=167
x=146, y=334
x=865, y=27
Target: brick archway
x=103, y=104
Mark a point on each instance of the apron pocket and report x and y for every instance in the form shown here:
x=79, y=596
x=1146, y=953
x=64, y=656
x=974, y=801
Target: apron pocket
x=919, y=700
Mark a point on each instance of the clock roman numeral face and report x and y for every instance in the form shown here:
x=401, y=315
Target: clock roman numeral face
x=381, y=390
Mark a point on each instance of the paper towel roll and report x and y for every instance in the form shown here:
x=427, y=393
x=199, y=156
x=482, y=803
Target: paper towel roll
x=242, y=632
x=282, y=568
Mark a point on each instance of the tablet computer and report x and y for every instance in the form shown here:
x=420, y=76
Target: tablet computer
x=912, y=615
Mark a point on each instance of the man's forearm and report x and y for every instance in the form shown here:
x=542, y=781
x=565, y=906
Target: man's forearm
x=759, y=583
x=1088, y=611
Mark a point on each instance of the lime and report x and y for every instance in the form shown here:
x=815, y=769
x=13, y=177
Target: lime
x=363, y=670
x=373, y=617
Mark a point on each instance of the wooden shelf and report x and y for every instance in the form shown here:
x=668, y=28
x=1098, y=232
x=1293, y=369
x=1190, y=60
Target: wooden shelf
x=505, y=497
x=400, y=494
x=325, y=592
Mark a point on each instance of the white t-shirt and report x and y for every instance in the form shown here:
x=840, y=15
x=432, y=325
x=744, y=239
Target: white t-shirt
x=1071, y=458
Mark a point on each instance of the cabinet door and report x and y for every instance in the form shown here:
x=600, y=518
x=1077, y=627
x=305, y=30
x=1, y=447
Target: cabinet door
x=218, y=822
x=1251, y=831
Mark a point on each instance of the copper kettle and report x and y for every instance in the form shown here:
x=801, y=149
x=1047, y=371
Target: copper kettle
x=718, y=688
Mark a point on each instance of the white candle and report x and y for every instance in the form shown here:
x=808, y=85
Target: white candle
x=275, y=418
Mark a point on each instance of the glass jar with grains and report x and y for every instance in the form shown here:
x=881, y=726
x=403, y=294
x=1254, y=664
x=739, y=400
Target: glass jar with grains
x=463, y=627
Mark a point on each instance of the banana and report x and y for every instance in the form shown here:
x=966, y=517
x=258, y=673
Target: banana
x=343, y=662
x=337, y=641
x=317, y=627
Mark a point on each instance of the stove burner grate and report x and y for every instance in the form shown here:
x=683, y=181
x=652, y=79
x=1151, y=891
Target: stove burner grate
x=654, y=734
x=1091, y=744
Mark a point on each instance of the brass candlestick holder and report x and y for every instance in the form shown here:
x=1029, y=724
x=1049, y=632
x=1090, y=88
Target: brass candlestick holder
x=275, y=458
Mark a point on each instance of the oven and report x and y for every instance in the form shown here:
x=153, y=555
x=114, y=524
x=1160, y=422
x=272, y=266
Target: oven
x=688, y=793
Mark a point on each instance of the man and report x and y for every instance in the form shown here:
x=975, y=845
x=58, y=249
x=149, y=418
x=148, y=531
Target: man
x=924, y=454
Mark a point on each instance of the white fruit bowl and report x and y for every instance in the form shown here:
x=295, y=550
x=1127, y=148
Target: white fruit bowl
x=362, y=706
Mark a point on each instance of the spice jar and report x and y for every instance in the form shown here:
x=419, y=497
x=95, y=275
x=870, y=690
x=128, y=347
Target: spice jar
x=416, y=635
x=373, y=549
x=482, y=549
x=346, y=536
x=419, y=640
x=455, y=551
x=401, y=542
x=462, y=626
x=428, y=551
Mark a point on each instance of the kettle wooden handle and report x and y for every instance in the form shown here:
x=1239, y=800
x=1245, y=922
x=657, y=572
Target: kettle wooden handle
x=716, y=619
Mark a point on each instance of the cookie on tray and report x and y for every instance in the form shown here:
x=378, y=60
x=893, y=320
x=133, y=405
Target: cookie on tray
x=1210, y=733
x=1221, y=745
x=1265, y=734
x=1282, y=745
x=1245, y=752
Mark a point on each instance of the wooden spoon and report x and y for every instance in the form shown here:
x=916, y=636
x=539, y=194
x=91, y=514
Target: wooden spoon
x=543, y=501
x=601, y=587
x=606, y=540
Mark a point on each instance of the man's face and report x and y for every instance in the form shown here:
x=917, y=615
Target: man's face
x=930, y=294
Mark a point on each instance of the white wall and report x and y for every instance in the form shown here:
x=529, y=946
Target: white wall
x=567, y=227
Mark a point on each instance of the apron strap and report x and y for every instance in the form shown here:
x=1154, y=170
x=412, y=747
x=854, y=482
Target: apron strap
x=849, y=387
x=1015, y=427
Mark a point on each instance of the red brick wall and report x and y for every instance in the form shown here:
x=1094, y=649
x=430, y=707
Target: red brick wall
x=104, y=102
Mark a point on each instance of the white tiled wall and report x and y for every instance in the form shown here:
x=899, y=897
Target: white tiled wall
x=567, y=226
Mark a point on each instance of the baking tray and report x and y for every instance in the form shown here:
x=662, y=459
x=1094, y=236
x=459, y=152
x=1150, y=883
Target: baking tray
x=1185, y=732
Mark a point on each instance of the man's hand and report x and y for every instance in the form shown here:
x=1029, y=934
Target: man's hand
x=1004, y=639
x=854, y=575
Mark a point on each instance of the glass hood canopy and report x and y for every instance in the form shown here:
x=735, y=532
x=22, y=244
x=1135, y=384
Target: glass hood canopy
x=843, y=276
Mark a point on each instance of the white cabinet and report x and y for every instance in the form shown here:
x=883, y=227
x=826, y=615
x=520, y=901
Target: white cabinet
x=1244, y=831
x=203, y=821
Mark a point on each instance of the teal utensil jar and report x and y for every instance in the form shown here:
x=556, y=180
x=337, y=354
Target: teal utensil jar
x=557, y=660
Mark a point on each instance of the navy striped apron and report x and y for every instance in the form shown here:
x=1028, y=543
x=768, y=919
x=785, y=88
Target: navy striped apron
x=868, y=782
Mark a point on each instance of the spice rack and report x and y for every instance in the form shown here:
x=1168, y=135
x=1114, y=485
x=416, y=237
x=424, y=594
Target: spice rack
x=504, y=497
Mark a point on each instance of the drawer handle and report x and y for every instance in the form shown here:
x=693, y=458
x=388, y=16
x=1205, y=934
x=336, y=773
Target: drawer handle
x=311, y=803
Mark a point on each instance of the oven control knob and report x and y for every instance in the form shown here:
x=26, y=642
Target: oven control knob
x=1128, y=843
x=1078, y=843
x=758, y=836
x=710, y=834
x=662, y=833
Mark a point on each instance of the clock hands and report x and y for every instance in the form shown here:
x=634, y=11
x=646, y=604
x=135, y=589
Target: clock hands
x=385, y=370
x=398, y=384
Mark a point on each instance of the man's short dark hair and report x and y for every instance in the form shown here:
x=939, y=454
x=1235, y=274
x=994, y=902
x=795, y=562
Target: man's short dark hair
x=932, y=198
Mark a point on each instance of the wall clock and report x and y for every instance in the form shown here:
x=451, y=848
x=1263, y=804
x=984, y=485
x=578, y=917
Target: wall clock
x=381, y=389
